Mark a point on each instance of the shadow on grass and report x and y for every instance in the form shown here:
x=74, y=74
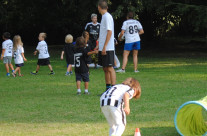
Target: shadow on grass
x=158, y=131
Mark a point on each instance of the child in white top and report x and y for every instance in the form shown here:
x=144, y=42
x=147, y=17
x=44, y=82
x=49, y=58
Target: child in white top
x=44, y=57
x=115, y=104
x=6, y=54
x=19, y=57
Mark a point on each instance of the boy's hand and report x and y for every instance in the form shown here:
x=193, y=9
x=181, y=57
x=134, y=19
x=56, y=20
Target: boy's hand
x=61, y=57
x=35, y=52
x=126, y=110
x=25, y=59
x=96, y=51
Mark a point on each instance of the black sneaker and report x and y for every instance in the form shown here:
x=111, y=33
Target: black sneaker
x=51, y=73
x=78, y=93
x=34, y=73
x=86, y=93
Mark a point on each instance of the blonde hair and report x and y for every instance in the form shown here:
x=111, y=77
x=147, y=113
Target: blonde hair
x=69, y=38
x=17, y=41
x=134, y=84
x=44, y=35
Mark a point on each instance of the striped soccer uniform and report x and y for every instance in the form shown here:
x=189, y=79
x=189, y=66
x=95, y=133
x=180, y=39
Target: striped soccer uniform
x=111, y=103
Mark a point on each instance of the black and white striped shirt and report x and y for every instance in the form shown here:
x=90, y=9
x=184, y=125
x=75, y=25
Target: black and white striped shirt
x=114, y=95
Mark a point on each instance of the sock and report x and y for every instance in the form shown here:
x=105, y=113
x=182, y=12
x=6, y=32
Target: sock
x=86, y=90
x=51, y=70
x=79, y=90
x=108, y=86
x=123, y=69
x=36, y=71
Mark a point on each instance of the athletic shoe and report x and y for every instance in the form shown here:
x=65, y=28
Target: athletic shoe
x=78, y=93
x=8, y=74
x=34, y=73
x=51, y=73
x=86, y=93
x=13, y=74
x=136, y=71
x=120, y=71
x=67, y=74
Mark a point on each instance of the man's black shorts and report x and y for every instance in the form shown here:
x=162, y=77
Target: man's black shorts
x=106, y=60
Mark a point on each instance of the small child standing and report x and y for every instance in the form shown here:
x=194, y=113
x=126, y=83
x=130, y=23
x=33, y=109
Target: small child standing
x=18, y=55
x=6, y=55
x=68, y=50
x=44, y=57
x=81, y=68
x=115, y=104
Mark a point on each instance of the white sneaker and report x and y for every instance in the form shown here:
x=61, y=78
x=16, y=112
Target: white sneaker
x=120, y=71
x=136, y=71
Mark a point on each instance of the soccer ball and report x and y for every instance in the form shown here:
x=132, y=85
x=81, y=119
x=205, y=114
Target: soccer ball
x=122, y=38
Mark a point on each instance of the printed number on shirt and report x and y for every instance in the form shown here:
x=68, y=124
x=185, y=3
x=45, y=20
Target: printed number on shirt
x=77, y=61
x=111, y=90
x=133, y=29
x=45, y=50
x=15, y=54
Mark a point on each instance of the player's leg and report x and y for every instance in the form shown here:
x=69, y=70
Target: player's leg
x=37, y=68
x=125, y=59
x=136, y=48
x=51, y=70
x=85, y=77
x=11, y=66
x=112, y=75
x=19, y=71
x=107, y=113
x=7, y=67
x=107, y=78
x=119, y=117
x=135, y=59
x=78, y=82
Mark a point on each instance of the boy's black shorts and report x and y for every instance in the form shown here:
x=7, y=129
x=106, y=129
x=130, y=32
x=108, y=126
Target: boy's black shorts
x=43, y=62
x=82, y=76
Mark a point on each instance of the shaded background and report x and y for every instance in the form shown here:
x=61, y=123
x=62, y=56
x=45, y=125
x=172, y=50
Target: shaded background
x=161, y=19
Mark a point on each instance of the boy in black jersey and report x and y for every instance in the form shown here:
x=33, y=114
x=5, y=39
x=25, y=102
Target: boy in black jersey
x=80, y=60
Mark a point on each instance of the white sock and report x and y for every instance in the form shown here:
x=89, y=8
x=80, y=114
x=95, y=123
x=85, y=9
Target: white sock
x=86, y=90
x=79, y=90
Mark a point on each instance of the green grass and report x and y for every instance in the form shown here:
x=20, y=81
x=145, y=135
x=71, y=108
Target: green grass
x=45, y=105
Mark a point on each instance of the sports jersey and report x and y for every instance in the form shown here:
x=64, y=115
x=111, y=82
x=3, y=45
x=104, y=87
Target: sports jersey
x=107, y=23
x=80, y=60
x=131, y=28
x=8, y=46
x=43, y=50
x=69, y=52
x=18, y=59
x=93, y=30
x=114, y=95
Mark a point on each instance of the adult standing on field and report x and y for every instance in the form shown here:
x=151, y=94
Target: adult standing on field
x=106, y=44
x=131, y=29
x=93, y=29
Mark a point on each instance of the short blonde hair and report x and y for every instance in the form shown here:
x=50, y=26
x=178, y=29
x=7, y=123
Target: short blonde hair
x=69, y=38
x=44, y=35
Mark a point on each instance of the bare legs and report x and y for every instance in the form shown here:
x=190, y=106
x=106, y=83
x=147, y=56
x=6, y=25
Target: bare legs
x=110, y=75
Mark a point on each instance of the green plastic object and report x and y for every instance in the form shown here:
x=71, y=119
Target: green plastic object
x=189, y=119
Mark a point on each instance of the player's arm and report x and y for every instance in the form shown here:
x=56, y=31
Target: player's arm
x=126, y=103
x=108, y=36
x=23, y=57
x=35, y=52
x=121, y=34
x=92, y=52
x=62, y=54
x=2, y=54
x=141, y=31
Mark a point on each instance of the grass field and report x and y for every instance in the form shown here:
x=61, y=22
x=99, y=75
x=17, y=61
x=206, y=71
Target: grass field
x=45, y=105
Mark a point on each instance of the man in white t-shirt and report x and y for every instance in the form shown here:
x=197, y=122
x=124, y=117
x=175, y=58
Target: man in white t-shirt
x=44, y=57
x=131, y=29
x=6, y=55
x=106, y=44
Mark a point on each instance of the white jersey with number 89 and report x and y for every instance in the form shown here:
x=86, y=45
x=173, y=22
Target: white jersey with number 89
x=131, y=28
x=43, y=50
